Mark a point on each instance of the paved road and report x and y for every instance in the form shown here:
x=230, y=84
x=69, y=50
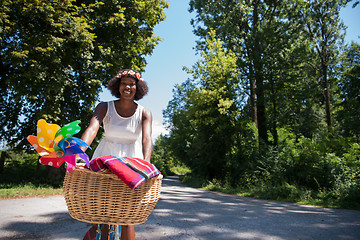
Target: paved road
x=187, y=213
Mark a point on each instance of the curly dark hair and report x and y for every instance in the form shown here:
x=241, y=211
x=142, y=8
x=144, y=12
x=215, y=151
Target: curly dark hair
x=141, y=86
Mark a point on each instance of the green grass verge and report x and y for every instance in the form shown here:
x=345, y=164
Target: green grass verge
x=28, y=190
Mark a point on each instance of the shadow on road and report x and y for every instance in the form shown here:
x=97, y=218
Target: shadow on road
x=38, y=218
x=188, y=213
x=58, y=225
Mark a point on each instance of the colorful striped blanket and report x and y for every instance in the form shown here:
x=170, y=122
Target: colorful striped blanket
x=132, y=171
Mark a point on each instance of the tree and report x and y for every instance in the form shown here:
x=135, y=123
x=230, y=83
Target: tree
x=249, y=29
x=323, y=27
x=56, y=55
x=355, y=3
x=349, y=116
x=230, y=22
x=203, y=113
x=161, y=156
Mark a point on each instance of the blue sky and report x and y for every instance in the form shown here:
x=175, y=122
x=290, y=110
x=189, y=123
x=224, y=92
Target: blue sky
x=164, y=66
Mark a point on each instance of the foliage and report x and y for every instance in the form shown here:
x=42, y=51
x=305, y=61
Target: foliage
x=56, y=55
x=294, y=70
x=23, y=176
x=161, y=156
x=355, y=3
x=283, y=192
x=326, y=31
x=349, y=115
x=297, y=171
x=207, y=102
x=287, y=54
x=264, y=37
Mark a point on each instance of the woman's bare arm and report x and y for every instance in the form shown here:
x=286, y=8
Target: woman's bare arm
x=146, y=134
x=95, y=122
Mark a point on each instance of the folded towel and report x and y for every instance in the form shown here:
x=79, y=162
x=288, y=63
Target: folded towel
x=133, y=172
x=146, y=169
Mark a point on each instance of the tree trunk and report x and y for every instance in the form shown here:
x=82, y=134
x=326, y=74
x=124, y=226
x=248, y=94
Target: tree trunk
x=326, y=94
x=274, y=118
x=260, y=94
x=261, y=113
x=253, y=99
x=2, y=160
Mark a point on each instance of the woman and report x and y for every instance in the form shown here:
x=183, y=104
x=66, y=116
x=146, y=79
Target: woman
x=127, y=125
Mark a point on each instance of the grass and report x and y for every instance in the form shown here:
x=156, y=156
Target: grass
x=284, y=192
x=180, y=169
x=28, y=190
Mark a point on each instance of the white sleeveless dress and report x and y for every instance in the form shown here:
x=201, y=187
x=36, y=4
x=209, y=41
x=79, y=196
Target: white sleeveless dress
x=123, y=135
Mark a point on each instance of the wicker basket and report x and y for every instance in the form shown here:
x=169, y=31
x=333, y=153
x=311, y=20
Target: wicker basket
x=104, y=199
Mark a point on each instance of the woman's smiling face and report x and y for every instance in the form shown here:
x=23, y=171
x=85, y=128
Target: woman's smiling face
x=127, y=87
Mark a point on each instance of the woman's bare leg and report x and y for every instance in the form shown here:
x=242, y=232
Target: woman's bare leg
x=128, y=232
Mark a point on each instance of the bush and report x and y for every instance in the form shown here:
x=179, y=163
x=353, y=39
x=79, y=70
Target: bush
x=22, y=168
x=161, y=156
x=23, y=176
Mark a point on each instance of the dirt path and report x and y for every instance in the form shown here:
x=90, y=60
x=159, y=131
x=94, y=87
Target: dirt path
x=187, y=213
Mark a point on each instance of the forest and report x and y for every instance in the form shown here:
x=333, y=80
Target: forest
x=273, y=104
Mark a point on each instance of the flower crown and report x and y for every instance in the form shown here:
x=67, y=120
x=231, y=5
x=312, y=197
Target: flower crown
x=130, y=73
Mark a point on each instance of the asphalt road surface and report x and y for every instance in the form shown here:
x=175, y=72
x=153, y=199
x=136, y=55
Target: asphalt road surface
x=187, y=213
